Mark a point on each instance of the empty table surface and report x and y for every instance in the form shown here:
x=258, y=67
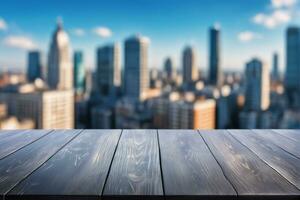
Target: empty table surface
x=149, y=164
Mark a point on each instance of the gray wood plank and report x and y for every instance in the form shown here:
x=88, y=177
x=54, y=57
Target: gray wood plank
x=292, y=134
x=283, y=162
x=188, y=167
x=135, y=170
x=18, y=140
x=79, y=169
x=22, y=163
x=4, y=134
x=248, y=173
x=283, y=142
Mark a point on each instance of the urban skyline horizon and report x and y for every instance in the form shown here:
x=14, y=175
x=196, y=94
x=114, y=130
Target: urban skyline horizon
x=241, y=40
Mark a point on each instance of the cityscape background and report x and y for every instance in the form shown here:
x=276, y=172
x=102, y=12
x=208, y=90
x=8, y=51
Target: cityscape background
x=150, y=64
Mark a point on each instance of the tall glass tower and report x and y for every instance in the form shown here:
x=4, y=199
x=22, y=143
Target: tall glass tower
x=136, y=77
x=34, y=68
x=214, y=56
x=190, y=72
x=108, y=69
x=292, y=73
x=79, y=72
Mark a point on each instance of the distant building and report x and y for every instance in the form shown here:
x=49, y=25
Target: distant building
x=34, y=67
x=48, y=109
x=102, y=118
x=292, y=73
x=215, y=74
x=190, y=71
x=132, y=115
x=108, y=69
x=257, y=86
x=192, y=115
x=169, y=69
x=60, y=71
x=275, y=71
x=79, y=73
x=136, y=77
x=179, y=112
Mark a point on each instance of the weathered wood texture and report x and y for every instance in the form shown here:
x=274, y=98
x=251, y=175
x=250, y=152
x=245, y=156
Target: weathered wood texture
x=135, y=170
x=17, y=140
x=283, y=162
x=79, y=169
x=189, y=169
x=149, y=164
x=245, y=170
x=16, y=167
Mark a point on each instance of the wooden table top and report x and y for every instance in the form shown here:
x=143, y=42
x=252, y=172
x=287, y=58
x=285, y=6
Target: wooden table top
x=149, y=164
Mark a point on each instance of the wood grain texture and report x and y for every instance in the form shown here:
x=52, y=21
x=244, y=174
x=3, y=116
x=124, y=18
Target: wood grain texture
x=79, y=169
x=22, y=163
x=188, y=167
x=292, y=134
x=135, y=169
x=283, y=162
x=283, y=142
x=248, y=173
x=4, y=134
x=17, y=140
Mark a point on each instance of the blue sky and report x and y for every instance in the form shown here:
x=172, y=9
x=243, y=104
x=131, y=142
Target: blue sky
x=249, y=27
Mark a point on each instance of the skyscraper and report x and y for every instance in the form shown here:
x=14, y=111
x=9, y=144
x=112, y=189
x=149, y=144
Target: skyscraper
x=292, y=74
x=215, y=74
x=136, y=75
x=257, y=86
x=275, y=71
x=79, y=72
x=108, y=68
x=34, y=68
x=60, y=71
x=169, y=68
x=190, y=72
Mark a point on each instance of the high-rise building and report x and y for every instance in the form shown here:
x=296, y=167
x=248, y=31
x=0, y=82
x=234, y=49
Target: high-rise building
x=169, y=68
x=48, y=109
x=79, y=72
x=192, y=115
x=34, y=67
x=108, y=69
x=275, y=71
x=60, y=71
x=190, y=72
x=292, y=73
x=215, y=74
x=136, y=77
x=257, y=86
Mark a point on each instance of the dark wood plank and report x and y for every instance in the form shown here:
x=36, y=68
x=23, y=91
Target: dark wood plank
x=292, y=134
x=188, y=167
x=283, y=142
x=18, y=140
x=22, y=163
x=79, y=169
x=135, y=170
x=283, y=162
x=248, y=173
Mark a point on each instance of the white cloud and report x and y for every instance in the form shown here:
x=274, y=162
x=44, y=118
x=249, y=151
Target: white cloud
x=20, y=42
x=283, y=3
x=78, y=32
x=276, y=18
x=102, y=32
x=248, y=36
x=3, y=25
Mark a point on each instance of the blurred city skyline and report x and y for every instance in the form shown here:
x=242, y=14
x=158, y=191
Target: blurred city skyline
x=255, y=30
